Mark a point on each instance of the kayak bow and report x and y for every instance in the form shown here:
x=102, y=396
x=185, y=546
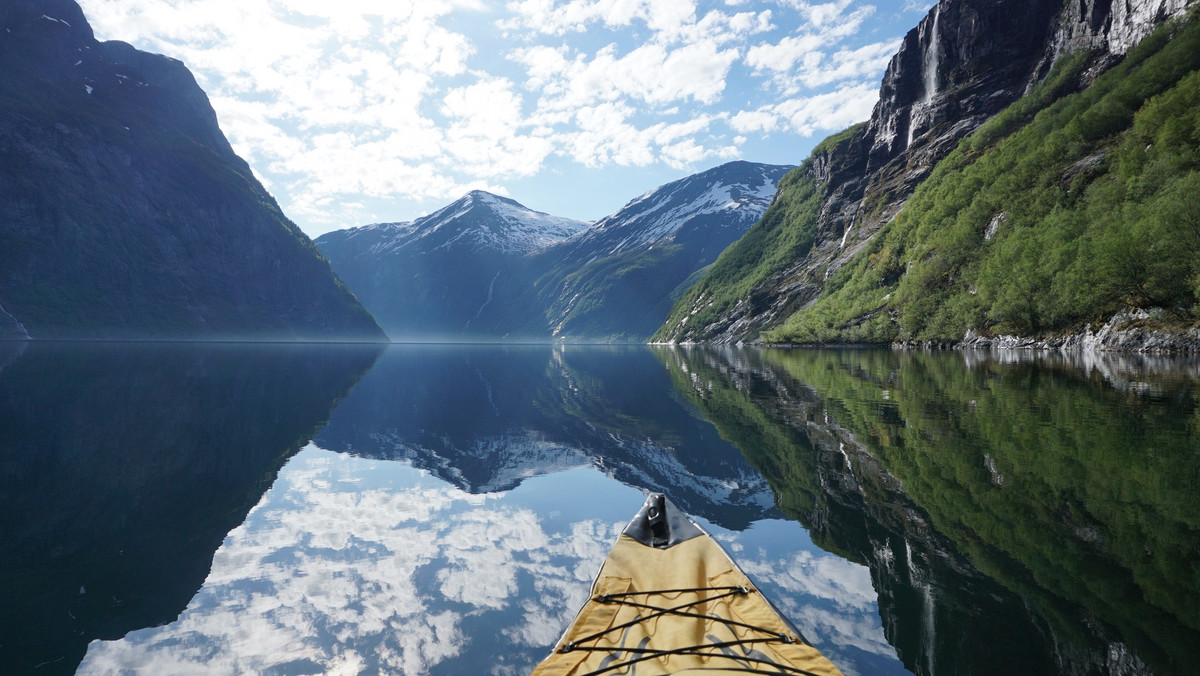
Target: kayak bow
x=669, y=600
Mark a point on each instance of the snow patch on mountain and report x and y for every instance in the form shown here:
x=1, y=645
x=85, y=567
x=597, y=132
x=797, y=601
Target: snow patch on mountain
x=739, y=191
x=480, y=221
x=503, y=462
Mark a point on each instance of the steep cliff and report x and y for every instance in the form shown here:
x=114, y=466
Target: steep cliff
x=966, y=61
x=124, y=212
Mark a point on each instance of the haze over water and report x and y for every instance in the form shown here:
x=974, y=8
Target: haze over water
x=426, y=509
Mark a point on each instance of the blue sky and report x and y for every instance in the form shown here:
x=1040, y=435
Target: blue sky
x=362, y=111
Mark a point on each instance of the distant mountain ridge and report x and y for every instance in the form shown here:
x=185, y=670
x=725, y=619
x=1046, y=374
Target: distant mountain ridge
x=730, y=195
x=487, y=268
x=618, y=279
x=124, y=212
x=431, y=278
x=485, y=220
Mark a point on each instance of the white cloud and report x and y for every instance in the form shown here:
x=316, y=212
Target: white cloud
x=803, y=60
x=557, y=18
x=755, y=121
x=812, y=115
x=650, y=74
x=338, y=106
x=605, y=136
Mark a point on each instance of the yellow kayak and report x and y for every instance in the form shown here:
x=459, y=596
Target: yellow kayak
x=669, y=600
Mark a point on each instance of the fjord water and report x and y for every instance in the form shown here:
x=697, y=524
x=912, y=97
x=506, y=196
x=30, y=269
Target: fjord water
x=442, y=509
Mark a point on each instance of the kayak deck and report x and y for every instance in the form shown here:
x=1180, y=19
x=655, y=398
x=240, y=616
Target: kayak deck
x=669, y=600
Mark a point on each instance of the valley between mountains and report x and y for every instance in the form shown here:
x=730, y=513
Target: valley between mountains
x=488, y=268
x=1029, y=177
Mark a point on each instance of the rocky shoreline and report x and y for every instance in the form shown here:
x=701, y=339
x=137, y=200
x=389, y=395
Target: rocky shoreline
x=1127, y=331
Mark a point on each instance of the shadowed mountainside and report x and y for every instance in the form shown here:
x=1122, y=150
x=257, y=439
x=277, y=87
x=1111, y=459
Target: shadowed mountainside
x=124, y=212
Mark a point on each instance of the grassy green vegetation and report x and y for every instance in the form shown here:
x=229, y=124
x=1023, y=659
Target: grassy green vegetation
x=1058, y=212
x=784, y=235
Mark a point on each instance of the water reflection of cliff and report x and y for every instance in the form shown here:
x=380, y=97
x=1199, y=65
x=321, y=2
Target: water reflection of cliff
x=122, y=468
x=486, y=419
x=1018, y=516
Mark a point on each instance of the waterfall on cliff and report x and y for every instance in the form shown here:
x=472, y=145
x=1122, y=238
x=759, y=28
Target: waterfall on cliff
x=932, y=57
x=929, y=69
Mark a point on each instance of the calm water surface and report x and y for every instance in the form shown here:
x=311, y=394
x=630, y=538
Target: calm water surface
x=442, y=510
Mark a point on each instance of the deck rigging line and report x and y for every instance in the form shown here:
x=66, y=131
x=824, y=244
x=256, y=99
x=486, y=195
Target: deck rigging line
x=747, y=662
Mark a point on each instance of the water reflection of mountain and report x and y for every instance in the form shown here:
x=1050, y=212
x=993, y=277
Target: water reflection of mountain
x=122, y=468
x=485, y=419
x=1018, y=517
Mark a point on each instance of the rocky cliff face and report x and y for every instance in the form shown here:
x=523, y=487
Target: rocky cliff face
x=966, y=61
x=124, y=212
x=1113, y=27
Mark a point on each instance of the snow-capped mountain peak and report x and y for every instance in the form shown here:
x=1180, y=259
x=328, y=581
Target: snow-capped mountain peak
x=487, y=266
x=484, y=220
x=739, y=192
x=478, y=221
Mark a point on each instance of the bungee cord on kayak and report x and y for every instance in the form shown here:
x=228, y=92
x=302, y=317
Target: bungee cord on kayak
x=669, y=600
x=748, y=661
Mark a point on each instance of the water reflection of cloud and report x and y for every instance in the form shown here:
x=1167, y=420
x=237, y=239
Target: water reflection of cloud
x=832, y=601
x=327, y=574
x=350, y=565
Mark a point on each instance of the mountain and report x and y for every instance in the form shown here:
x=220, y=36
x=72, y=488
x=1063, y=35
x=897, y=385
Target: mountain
x=487, y=268
x=124, y=212
x=1024, y=171
x=618, y=279
x=430, y=279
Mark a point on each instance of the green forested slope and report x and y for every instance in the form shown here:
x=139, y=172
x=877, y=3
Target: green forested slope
x=1056, y=213
x=784, y=234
